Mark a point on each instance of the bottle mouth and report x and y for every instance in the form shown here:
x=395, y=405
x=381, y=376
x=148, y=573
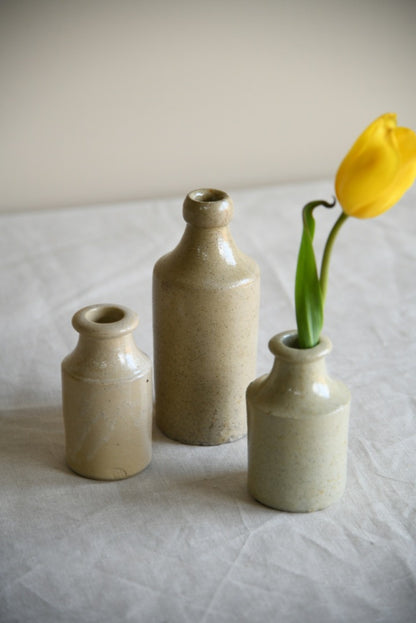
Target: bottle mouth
x=207, y=195
x=105, y=320
x=208, y=207
x=285, y=345
x=105, y=314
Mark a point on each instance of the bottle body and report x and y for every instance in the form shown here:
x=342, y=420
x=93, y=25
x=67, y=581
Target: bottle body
x=297, y=430
x=205, y=306
x=107, y=396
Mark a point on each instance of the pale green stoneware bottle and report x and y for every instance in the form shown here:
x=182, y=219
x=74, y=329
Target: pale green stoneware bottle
x=297, y=429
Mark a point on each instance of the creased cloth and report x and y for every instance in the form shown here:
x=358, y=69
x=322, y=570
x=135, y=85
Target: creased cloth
x=183, y=541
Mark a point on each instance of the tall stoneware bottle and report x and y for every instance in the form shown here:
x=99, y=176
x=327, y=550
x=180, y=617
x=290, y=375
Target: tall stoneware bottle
x=107, y=396
x=205, y=324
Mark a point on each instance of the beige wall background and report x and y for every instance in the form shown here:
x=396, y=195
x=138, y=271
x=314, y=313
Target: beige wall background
x=113, y=100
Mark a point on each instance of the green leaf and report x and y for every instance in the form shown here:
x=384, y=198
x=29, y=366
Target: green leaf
x=308, y=294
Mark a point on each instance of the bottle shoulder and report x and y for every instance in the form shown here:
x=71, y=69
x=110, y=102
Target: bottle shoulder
x=277, y=397
x=216, y=265
x=106, y=364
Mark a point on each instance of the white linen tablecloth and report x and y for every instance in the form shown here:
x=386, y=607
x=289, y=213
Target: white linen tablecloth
x=183, y=541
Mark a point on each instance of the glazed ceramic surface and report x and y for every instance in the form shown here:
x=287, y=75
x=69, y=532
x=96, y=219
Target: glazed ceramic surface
x=205, y=306
x=107, y=396
x=297, y=430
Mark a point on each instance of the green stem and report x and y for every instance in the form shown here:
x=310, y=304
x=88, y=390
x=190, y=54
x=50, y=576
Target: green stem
x=327, y=253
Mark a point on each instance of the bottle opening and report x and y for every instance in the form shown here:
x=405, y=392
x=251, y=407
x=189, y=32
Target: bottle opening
x=207, y=207
x=291, y=340
x=208, y=195
x=286, y=345
x=105, y=315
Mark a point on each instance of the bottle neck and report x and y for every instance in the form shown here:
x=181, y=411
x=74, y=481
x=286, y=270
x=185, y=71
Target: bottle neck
x=109, y=347
x=305, y=378
x=105, y=359
x=299, y=371
x=105, y=347
x=208, y=207
x=208, y=244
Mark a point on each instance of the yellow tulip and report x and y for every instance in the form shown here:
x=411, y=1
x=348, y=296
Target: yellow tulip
x=378, y=169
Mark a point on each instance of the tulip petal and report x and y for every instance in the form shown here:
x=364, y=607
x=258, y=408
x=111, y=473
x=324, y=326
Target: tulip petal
x=371, y=164
x=405, y=177
x=388, y=120
x=406, y=140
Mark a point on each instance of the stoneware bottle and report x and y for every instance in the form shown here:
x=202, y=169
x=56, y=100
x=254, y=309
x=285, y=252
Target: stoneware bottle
x=107, y=396
x=297, y=429
x=205, y=323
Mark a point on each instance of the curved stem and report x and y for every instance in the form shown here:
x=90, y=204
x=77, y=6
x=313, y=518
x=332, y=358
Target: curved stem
x=327, y=253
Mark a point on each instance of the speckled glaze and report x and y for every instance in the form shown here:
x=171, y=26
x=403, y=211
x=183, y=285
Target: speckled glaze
x=205, y=322
x=297, y=430
x=107, y=396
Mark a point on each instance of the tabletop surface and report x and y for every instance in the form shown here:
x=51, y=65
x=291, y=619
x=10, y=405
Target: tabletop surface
x=183, y=541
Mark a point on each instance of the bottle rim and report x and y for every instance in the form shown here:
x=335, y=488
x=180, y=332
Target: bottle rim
x=104, y=320
x=285, y=346
x=208, y=207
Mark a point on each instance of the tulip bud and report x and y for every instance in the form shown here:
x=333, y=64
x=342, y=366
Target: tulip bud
x=378, y=169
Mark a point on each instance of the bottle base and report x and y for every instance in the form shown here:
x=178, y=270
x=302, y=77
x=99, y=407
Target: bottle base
x=107, y=475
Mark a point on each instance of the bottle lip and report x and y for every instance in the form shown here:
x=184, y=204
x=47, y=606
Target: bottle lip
x=105, y=320
x=284, y=345
x=208, y=207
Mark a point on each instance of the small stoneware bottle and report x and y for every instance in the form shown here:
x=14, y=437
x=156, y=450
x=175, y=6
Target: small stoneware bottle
x=205, y=323
x=107, y=396
x=297, y=429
